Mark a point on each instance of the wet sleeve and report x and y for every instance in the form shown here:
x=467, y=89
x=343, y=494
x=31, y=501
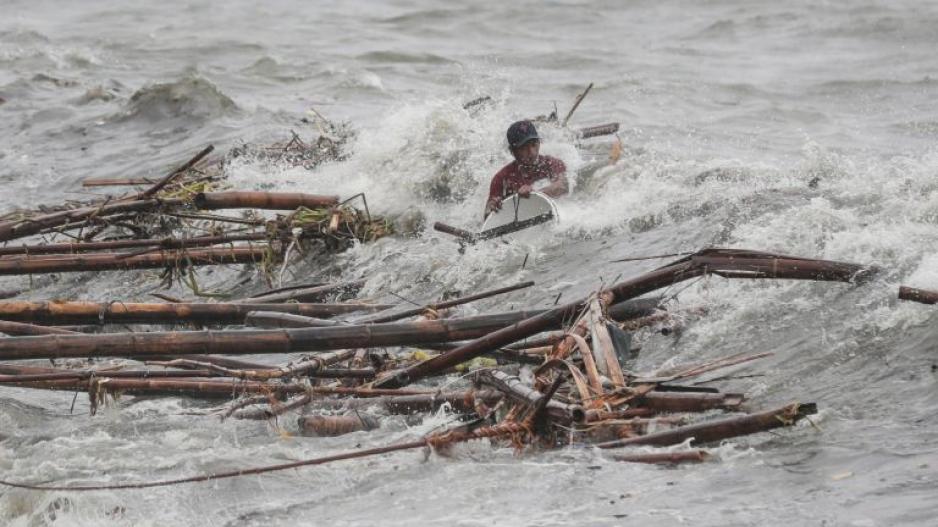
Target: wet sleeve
x=557, y=169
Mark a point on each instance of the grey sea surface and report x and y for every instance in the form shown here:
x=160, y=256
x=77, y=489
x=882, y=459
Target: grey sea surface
x=806, y=128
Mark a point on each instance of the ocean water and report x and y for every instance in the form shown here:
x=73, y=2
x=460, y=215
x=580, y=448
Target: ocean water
x=806, y=128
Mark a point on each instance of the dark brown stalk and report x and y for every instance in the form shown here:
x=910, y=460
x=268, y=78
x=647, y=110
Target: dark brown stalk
x=120, y=261
x=335, y=425
x=665, y=458
x=63, y=313
x=721, y=429
x=156, y=243
x=154, y=345
x=918, y=295
x=262, y=200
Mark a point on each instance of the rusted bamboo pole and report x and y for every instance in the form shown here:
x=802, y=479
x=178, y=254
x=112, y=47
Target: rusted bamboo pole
x=703, y=262
x=157, y=243
x=120, y=261
x=262, y=200
x=155, y=345
x=721, y=429
x=306, y=294
x=380, y=318
x=923, y=296
x=64, y=313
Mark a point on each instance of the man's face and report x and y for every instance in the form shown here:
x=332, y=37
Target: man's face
x=526, y=154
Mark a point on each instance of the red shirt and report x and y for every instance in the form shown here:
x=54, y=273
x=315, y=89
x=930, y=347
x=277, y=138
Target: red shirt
x=513, y=176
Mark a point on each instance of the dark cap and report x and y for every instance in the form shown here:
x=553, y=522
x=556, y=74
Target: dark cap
x=520, y=133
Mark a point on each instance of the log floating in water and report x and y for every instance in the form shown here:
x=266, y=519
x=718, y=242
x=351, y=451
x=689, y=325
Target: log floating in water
x=665, y=458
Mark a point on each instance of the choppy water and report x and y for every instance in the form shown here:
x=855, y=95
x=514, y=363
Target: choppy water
x=729, y=110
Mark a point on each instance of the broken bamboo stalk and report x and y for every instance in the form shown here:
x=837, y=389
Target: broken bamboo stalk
x=273, y=319
x=335, y=425
x=262, y=200
x=721, y=429
x=598, y=130
x=922, y=296
x=576, y=104
x=20, y=329
x=688, y=402
x=176, y=173
x=64, y=313
x=519, y=392
x=157, y=243
x=154, y=345
x=665, y=458
x=120, y=261
x=307, y=294
x=116, y=182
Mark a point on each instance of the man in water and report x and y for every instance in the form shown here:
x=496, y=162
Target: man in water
x=529, y=166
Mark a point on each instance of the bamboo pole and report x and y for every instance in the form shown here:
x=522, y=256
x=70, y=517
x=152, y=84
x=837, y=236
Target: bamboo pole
x=120, y=261
x=157, y=243
x=665, y=458
x=23, y=329
x=335, y=425
x=918, y=295
x=262, y=200
x=688, y=402
x=64, y=313
x=155, y=345
x=721, y=429
x=703, y=262
x=273, y=319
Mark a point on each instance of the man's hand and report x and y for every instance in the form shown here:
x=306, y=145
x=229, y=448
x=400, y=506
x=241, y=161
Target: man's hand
x=525, y=191
x=493, y=205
